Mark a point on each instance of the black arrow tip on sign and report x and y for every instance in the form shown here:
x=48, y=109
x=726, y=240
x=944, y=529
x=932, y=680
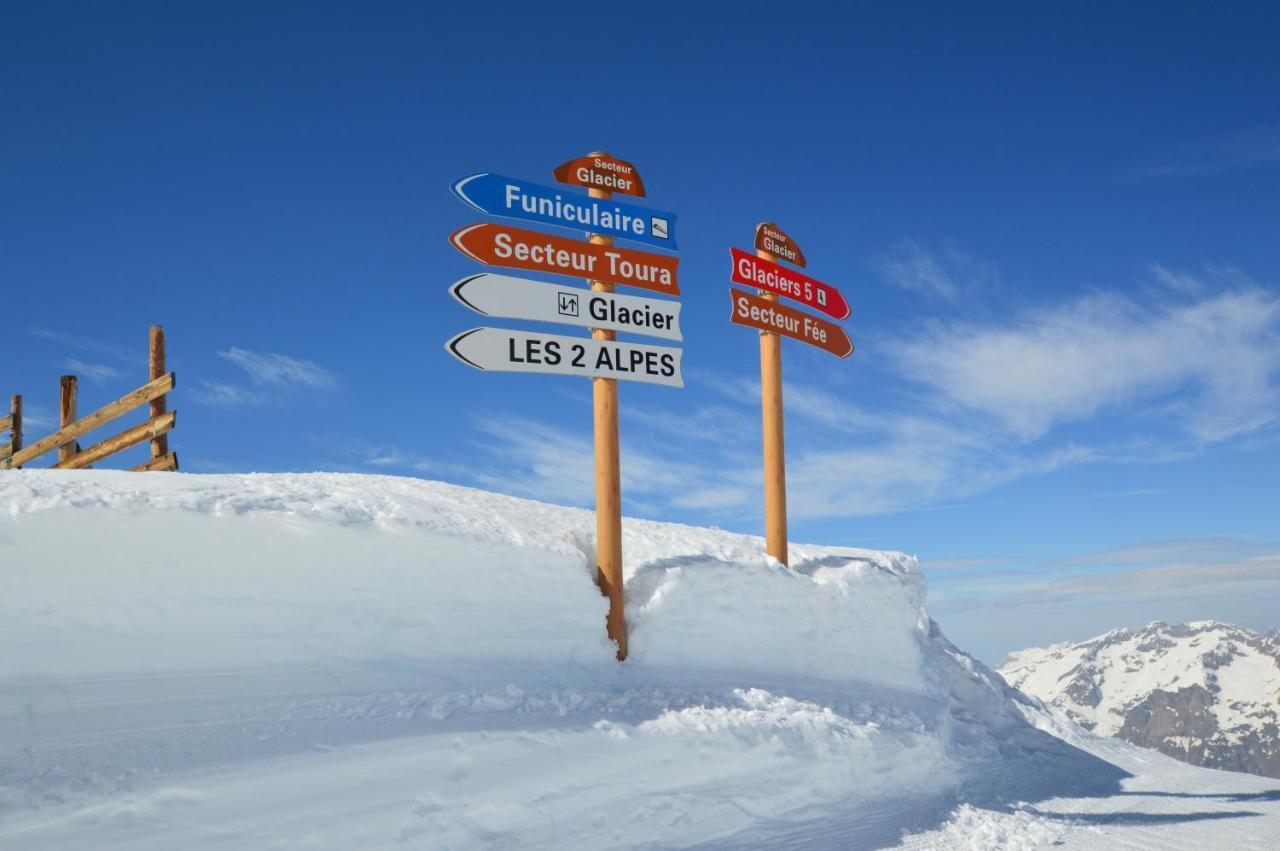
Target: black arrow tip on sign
x=452, y=347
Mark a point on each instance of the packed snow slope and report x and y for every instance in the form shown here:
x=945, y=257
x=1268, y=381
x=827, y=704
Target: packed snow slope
x=340, y=661
x=1207, y=693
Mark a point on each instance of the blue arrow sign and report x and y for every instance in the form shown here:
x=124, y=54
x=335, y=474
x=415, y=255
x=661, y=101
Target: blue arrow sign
x=520, y=199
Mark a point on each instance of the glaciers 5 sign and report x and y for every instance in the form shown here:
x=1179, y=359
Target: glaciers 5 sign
x=758, y=272
x=520, y=199
x=504, y=350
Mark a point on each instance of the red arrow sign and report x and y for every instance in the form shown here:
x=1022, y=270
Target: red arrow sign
x=756, y=312
x=516, y=248
x=753, y=271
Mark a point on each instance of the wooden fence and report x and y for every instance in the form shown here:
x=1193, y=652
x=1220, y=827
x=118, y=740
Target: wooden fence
x=14, y=455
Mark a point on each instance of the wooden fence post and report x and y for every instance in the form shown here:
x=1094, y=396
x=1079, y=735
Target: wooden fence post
x=160, y=443
x=67, y=414
x=15, y=425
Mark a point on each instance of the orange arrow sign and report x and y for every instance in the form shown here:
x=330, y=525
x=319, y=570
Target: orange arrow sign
x=516, y=248
x=756, y=312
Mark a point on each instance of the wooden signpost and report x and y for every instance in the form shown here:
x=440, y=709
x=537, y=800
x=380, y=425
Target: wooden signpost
x=775, y=320
x=602, y=358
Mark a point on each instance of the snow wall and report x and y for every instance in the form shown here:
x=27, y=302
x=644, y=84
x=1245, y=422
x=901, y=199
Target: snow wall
x=108, y=574
x=158, y=626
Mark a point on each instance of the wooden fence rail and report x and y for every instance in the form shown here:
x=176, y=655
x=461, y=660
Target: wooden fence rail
x=14, y=455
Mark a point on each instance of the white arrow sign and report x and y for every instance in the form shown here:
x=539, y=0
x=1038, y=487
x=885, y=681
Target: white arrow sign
x=519, y=298
x=504, y=350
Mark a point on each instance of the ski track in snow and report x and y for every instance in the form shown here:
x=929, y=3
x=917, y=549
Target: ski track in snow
x=339, y=661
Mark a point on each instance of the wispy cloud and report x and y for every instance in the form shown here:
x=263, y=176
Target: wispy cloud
x=947, y=273
x=536, y=460
x=1182, y=551
x=271, y=376
x=1249, y=148
x=89, y=344
x=36, y=418
x=222, y=393
x=994, y=609
x=1219, y=353
x=1173, y=580
x=275, y=370
x=1153, y=568
x=388, y=457
x=95, y=372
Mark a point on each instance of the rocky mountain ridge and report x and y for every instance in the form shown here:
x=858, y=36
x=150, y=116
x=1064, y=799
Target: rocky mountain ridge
x=1205, y=692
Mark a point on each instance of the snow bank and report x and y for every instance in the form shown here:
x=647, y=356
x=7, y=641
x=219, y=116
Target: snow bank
x=111, y=574
x=342, y=661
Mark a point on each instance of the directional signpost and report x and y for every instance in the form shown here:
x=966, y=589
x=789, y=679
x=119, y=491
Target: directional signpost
x=602, y=358
x=774, y=321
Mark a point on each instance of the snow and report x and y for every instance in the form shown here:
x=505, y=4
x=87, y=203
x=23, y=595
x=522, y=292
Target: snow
x=340, y=661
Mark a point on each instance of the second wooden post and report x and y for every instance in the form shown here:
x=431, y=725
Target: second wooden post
x=775, y=462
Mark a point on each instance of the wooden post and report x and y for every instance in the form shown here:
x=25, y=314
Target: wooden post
x=775, y=464
x=608, y=474
x=15, y=425
x=159, y=444
x=67, y=414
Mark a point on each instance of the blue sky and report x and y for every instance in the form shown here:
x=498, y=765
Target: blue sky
x=1057, y=231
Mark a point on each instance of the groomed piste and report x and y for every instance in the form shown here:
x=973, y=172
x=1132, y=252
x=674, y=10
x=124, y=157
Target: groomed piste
x=345, y=661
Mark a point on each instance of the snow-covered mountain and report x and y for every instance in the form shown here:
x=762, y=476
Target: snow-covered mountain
x=339, y=661
x=1206, y=693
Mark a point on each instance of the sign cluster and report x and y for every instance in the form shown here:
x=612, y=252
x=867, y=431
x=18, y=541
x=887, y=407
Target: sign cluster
x=770, y=277
x=603, y=265
x=509, y=247
x=764, y=311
